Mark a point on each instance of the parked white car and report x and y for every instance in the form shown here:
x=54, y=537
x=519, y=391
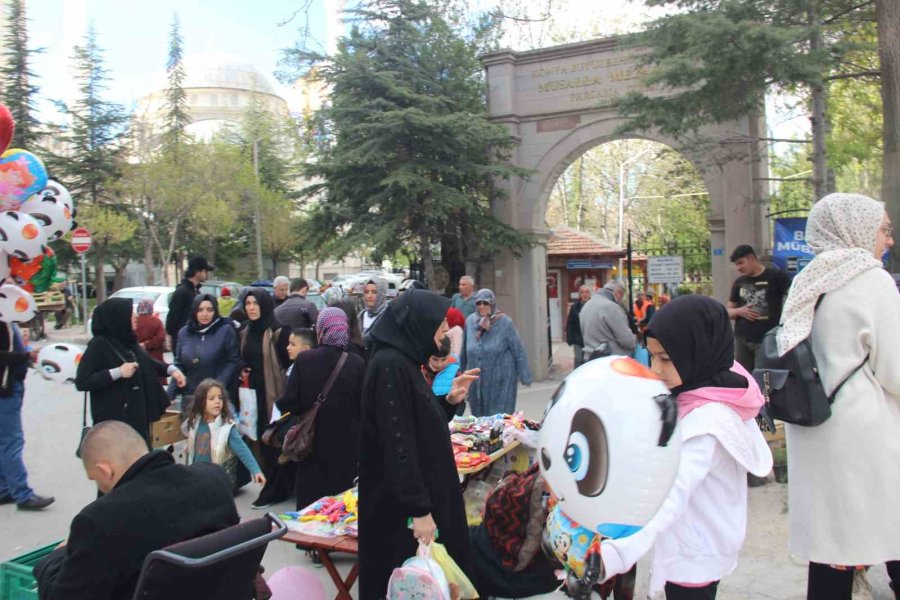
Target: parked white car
x=159, y=294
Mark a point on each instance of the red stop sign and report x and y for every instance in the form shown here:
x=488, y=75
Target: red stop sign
x=81, y=240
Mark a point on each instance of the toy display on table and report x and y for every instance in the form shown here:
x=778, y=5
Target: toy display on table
x=609, y=445
x=35, y=211
x=332, y=516
x=474, y=439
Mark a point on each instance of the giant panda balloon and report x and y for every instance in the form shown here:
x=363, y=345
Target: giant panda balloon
x=21, y=235
x=16, y=305
x=53, y=209
x=609, y=446
x=59, y=362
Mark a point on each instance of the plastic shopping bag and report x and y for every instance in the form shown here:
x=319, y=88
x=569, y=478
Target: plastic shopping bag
x=419, y=577
x=247, y=421
x=454, y=574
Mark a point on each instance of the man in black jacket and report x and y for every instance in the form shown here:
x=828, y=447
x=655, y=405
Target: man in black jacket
x=296, y=311
x=573, y=325
x=149, y=503
x=183, y=297
x=14, y=359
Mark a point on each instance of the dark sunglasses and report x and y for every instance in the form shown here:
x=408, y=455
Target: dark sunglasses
x=482, y=303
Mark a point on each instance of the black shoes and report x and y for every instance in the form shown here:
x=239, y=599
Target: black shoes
x=36, y=503
x=6, y=500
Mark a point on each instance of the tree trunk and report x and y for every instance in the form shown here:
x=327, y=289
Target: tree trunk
x=119, y=277
x=888, y=16
x=99, y=281
x=817, y=118
x=427, y=261
x=148, y=255
x=564, y=195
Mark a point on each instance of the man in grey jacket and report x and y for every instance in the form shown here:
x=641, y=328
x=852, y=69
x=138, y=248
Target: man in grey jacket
x=296, y=311
x=604, y=320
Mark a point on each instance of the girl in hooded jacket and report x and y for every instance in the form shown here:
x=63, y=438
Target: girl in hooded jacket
x=700, y=528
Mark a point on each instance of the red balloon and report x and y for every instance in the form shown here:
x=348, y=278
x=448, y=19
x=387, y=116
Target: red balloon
x=7, y=128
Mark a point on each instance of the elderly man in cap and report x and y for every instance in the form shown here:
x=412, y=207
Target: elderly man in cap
x=183, y=297
x=149, y=502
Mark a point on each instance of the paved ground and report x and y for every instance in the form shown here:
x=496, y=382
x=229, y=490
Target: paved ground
x=52, y=417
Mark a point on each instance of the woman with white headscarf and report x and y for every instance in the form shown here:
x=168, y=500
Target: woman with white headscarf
x=843, y=474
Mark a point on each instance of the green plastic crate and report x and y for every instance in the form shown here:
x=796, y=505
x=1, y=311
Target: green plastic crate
x=16, y=576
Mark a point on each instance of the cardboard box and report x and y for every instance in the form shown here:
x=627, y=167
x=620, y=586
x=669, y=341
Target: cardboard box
x=167, y=430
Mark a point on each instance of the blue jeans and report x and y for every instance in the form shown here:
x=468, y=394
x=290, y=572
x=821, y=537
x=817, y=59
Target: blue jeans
x=13, y=477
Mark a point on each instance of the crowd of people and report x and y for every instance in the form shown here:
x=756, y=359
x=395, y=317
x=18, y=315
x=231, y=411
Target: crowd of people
x=388, y=375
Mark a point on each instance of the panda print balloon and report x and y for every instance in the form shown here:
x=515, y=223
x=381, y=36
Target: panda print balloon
x=16, y=305
x=53, y=209
x=21, y=235
x=59, y=362
x=609, y=445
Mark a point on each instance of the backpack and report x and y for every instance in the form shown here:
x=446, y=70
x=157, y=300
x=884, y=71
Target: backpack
x=514, y=516
x=792, y=384
x=419, y=577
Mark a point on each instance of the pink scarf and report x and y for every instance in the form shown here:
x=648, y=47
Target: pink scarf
x=746, y=402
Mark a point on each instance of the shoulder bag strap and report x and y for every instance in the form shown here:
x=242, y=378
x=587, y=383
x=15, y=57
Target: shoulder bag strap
x=84, y=412
x=837, y=389
x=337, y=369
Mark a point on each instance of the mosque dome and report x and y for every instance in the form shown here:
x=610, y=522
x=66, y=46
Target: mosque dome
x=222, y=71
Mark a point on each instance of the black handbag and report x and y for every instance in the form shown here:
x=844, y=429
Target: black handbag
x=85, y=428
x=792, y=384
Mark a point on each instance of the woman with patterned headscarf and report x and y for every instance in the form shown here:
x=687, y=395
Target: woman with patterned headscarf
x=150, y=331
x=331, y=468
x=492, y=344
x=374, y=302
x=844, y=485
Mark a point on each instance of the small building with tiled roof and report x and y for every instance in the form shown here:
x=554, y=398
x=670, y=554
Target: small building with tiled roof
x=576, y=258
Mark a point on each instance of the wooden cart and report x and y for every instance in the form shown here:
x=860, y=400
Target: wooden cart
x=47, y=302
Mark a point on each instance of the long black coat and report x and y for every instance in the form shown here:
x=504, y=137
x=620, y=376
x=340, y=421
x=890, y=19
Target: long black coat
x=406, y=460
x=139, y=400
x=332, y=466
x=156, y=503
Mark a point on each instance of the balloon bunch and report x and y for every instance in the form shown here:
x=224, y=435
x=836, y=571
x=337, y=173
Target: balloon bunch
x=34, y=211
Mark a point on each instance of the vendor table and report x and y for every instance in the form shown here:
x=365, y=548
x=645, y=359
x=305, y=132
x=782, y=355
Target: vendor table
x=322, y=545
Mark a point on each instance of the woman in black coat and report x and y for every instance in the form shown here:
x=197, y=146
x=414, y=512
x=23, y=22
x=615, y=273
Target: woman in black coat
x=123, y=380
x=263, y=346
x=332, y=466
x=406, y=467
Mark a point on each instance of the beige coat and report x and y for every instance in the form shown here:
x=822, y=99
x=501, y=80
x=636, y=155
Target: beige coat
x=844, y=490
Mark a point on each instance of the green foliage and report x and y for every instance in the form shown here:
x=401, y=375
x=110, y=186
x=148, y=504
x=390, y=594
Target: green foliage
x=97, y=131
x=410, y=155
x=176, y=110
x=17, y=91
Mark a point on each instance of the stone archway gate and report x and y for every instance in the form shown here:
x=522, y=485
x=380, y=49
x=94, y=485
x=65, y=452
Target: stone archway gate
x=555, y=102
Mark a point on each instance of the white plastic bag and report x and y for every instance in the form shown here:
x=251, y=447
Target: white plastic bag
x=247, y=421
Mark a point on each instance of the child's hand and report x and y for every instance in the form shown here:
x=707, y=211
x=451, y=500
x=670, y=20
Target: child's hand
x=260, y=479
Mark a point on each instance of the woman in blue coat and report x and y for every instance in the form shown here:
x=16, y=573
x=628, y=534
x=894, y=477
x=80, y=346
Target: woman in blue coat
x=493, y=345
x=207, y=348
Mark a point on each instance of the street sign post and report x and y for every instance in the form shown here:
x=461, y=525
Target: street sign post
x=81, y=243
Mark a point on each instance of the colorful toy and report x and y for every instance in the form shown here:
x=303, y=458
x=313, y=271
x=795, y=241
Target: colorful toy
x=16, y=305
x=59, y=362
x=35, y=275
x=568, y=541
x=420, y=577
x=53, y=208
x=21, y=235
x=608, y=445
x=22, y=174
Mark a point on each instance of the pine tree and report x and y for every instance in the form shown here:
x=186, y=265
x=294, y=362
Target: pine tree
x=176, y=116
x=17, y=91
x=94, y=157
x=411, y=155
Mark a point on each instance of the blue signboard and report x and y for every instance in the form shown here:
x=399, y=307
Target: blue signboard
x=791, y=252
x=588, y=264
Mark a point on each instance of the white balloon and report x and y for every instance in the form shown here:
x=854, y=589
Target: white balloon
x=16, y=305
x=21, y=235
x=59, y=362
x=4, y=266
x=53, y=208
x=609, y=445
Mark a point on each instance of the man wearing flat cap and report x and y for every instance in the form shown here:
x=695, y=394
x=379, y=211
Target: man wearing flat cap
x=183, y=297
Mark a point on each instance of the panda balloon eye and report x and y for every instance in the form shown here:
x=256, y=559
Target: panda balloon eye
x=578, y=455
